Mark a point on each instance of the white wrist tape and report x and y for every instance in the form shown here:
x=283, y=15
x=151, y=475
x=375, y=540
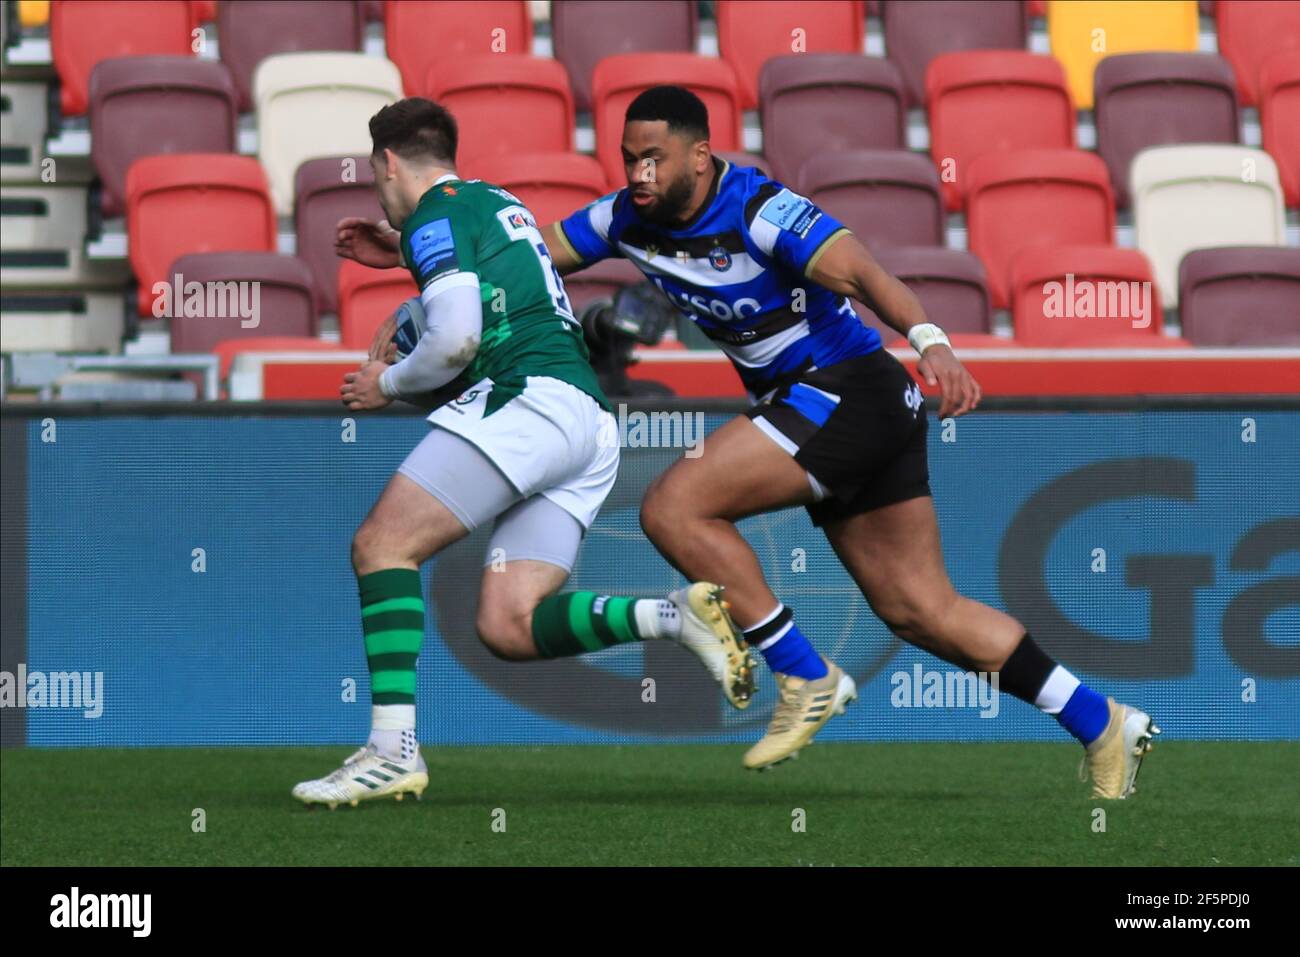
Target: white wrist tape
x=926, y=335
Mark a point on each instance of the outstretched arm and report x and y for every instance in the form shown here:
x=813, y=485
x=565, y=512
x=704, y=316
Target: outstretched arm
x=845, y=267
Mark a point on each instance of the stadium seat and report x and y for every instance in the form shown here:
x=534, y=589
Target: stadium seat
x=887, y=197
x=83, y=32
x=915, y=33
x=585, y=31
x=750, y=32
x=421, y=33
x=149, y=105
x=1279, y=115
x=1241, y=296
x=953, y=290
x=505, y=104
x=193, y=203
x=366, y=298
x=285, y=302
x=736, y=158
x=1034, y=198
x=1155, y=99
x=33, y=14
x=551, y=185
x=1196, y=197
x=618, y=80
x=1082, y=32
x=601, y=281
x=252, y=30
x=817, y=103
x=316, y=104
x=1085, y=296
x=1252, y=32
x=325, y=191
x=229, y=349
x=984, y=101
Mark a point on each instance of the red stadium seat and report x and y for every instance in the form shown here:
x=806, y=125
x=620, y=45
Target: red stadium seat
x=366, y=298
x=817, y=103
x=227, y=350
x=986, y=101
x=421, y=33
x=1085, y=296
x=193, y=203
x=1279, y=115
x=1155, y=99
x=1035, y=198
x=252, y=30
x=887, y=197
x=551, y=185
x=505, y=104
x=1240, y=296
x=286, y=303
x=618, y=80
x=326, y=191
x=915, y=33
x=751, y=31
x=950, y=283
x=84, y=32
x=585, y=31
x=150, y=105
x=1251, y=32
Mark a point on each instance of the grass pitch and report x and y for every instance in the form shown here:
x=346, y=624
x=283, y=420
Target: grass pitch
x=1198, y=803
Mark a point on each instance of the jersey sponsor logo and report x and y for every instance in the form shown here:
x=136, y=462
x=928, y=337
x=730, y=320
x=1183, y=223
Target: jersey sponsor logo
x=912, y=398
x=806, y=222
x=785, y=208
x=432, y=247
x=718, y=309
x=517, y=220
x=719, y=259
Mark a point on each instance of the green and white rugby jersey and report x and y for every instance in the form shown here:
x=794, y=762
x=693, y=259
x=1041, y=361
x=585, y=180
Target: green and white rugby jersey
x=469, y=226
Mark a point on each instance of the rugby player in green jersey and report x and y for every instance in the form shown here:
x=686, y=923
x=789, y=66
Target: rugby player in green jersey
x=529, y=445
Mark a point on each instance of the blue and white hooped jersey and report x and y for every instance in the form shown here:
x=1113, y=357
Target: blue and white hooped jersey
x=739, y=269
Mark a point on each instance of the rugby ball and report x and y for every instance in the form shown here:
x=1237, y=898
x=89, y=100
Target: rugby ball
x=410, y=326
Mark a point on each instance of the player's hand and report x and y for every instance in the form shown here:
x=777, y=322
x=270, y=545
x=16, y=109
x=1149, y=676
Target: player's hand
x=960, y=392
x=371, y=244
x=382, y=347
x=360, y=389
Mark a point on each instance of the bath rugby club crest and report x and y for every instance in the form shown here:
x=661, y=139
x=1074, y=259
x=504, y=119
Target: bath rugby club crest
x=719, y=259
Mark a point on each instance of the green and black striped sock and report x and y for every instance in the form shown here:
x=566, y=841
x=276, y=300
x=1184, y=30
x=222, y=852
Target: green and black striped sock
x=392, y=619
x=583, y=621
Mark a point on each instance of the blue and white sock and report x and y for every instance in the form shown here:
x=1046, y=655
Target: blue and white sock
x=784, y=647
x=1080, y=710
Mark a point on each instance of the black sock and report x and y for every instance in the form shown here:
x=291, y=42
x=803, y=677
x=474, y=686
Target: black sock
x=1026, y=671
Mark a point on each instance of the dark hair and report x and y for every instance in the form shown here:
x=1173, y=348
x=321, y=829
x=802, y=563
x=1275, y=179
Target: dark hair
x=416, y=129
x=683, y=110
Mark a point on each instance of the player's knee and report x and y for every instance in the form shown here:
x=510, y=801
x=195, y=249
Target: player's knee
x=659, y=514
x=915, y=618
x=506, y=632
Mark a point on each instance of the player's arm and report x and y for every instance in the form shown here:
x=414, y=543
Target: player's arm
x=440, y=255
x=582, y=239
x=453, y=312
x=564, y=256
x=844, y=266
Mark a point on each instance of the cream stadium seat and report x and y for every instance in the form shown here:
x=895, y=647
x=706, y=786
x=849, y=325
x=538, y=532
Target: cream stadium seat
x=1196, y=197
x=311, y=105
